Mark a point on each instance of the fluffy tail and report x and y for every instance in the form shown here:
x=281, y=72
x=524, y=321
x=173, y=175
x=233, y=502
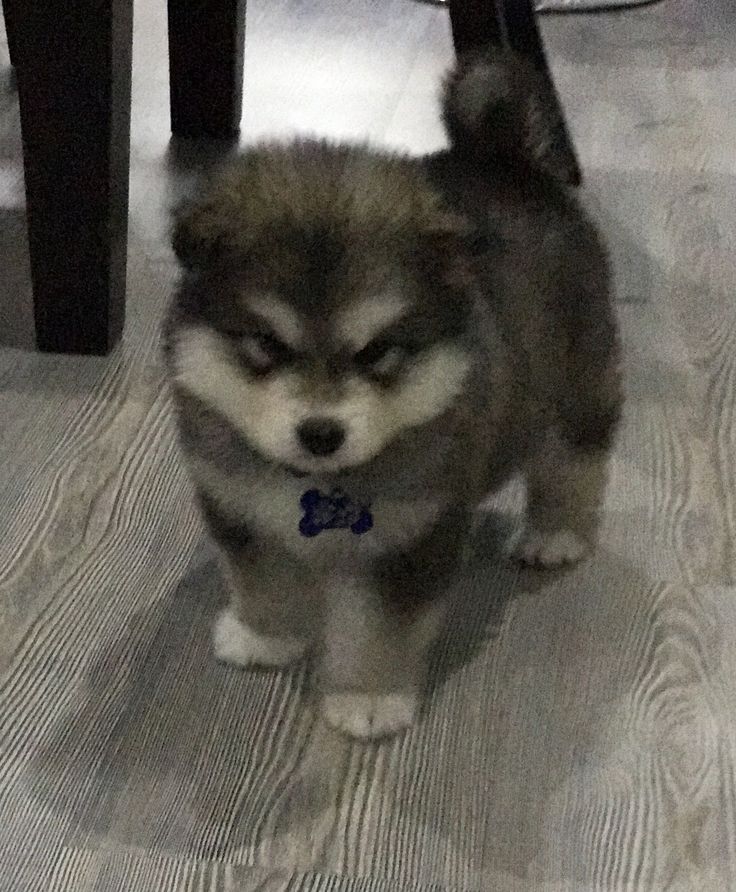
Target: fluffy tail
x=497, y=108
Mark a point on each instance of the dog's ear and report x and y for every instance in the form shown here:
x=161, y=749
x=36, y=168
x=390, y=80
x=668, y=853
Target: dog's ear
x=217, y=223
x=199, y=233
x=447, y=249
x=448, y=228
x=460, y=238
x=442, y=240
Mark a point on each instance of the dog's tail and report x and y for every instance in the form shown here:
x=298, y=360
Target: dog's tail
x=498, y=109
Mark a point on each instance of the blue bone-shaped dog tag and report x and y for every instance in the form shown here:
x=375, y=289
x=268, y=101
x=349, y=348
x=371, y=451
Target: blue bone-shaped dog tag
x=335, y=511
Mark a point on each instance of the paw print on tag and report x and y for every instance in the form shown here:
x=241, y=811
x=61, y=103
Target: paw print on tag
x=334, y=511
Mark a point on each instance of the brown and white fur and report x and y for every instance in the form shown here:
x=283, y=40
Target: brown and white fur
x=441, y=323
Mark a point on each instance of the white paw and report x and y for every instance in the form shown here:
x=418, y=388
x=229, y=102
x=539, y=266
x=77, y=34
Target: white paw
x=235, y=643
x=368, y=716
x=550, y=549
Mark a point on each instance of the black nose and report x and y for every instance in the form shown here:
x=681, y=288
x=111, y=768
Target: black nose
x=321, y=436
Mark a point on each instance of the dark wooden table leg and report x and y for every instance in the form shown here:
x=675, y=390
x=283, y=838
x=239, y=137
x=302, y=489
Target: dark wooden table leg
x=206, y=47
x=74, y=75
x=511, y=23
x=475, y=24
x=8, y=10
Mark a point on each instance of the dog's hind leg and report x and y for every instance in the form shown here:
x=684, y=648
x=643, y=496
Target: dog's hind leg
x=566, y=478
x=565, y=490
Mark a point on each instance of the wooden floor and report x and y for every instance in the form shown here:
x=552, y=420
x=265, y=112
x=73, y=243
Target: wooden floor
x=581, y=733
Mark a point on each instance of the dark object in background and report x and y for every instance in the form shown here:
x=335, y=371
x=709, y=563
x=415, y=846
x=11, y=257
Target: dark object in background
x=73, y=63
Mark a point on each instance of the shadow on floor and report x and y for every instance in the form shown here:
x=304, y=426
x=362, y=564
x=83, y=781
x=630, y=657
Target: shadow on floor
x=161, y=739
x=16, y=298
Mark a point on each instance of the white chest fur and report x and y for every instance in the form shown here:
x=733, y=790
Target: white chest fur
x=269, y=502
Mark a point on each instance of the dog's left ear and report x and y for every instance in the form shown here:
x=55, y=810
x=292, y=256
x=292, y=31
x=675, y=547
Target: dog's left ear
x=450, y=246
x=449, y=228
x=461, y=238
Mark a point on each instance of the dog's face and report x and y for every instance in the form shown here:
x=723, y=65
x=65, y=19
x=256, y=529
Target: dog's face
x=326, y=338
x=322, y=395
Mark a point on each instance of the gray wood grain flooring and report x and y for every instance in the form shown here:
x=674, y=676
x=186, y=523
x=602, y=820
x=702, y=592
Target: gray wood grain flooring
x=581, y=731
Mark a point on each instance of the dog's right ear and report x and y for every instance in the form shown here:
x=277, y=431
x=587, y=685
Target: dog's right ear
x=221, y=222
x=198, y=237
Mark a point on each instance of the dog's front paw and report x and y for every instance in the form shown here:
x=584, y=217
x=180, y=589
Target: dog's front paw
x=369, y=716
x=550, y=549
x=236, y=643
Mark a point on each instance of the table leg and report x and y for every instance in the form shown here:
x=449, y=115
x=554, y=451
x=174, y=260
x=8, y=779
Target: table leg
x=206, y=47
x=74, y=77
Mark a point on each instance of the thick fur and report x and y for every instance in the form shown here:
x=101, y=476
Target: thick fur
x=498, y=110
x=491, y=287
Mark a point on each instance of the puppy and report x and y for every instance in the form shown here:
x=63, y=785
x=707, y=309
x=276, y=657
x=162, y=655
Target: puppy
x=363, y=346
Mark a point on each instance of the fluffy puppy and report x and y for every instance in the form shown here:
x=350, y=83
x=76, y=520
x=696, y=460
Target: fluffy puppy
x=362, y=347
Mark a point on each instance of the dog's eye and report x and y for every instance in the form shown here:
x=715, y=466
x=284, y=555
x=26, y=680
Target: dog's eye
x=383, y=359
x=264, y=351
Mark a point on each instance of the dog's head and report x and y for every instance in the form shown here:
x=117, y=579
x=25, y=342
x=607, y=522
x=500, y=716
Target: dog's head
x=325, y=303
